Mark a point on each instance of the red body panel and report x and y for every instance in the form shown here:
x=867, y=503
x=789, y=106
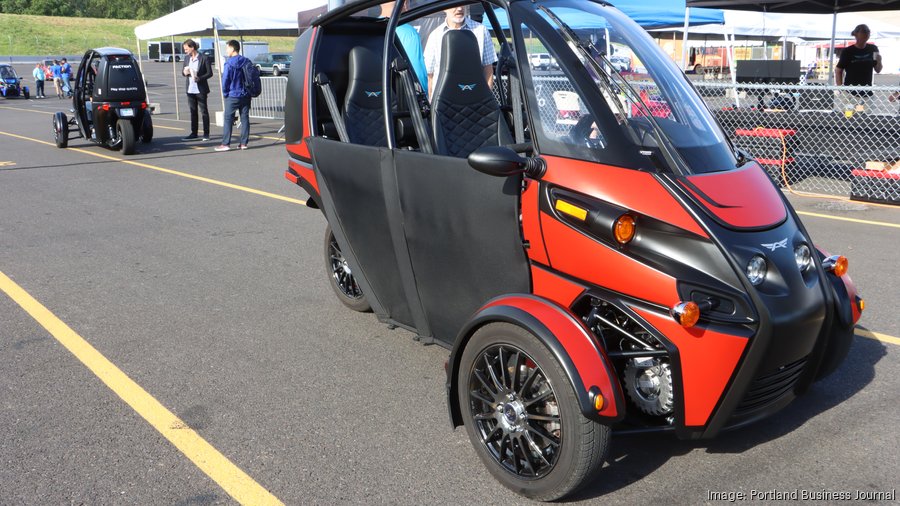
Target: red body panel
x=584, y=258
x=590, y=360
x=708, y=359
x=631, y=189
x=302, y=149
x=743, y=198
x=531, y=223
x=550, y=286
x=305, y=172
x=851, y=291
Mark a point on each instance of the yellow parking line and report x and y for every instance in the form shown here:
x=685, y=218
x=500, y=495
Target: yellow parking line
x=231, y=478
x=877, y=336
x=168, y=171
x=52, y=113
x=854, y=220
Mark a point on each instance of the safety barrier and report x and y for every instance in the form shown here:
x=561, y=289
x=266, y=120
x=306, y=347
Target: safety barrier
x=839, y=141
x=270, y=103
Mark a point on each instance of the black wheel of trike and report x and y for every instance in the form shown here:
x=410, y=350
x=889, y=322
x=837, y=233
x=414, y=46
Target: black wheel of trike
x=147, y=129
x=61, y=129
x=341, y=278
x=125, y=131
x=522, y=416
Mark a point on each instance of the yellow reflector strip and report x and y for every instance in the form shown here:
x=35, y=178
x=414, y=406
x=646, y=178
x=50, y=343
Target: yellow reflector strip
x=572, y=210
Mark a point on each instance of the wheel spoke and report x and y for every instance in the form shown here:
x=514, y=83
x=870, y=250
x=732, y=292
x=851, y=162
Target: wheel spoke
x=536, y=448
x=526, y=452
x=517, y=363
x=544, y=418
x=503, y=372
x=497, y=431
x=493, y=374
x=537, y=429
x=478, y=395
x=515, y=459
x=543, y=396
x=484, y=416
x=484, y=382
x=529, y=381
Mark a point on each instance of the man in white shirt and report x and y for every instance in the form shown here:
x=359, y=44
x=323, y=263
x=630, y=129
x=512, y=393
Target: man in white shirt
x=457, y=19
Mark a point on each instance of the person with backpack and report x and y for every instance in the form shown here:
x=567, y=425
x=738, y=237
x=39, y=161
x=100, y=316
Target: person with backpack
x=236, y=86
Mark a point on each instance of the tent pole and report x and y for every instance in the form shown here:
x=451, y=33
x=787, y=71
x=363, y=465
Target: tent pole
x=831, y=53
x=219, y=63
x=733, y=67
x=140, y=61
x=687, y=19
x=175, y=77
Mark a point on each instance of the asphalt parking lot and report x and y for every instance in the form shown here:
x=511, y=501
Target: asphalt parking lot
x=225, y=370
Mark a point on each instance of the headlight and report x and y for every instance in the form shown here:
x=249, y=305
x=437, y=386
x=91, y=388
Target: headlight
x=803, y=257
x=756, y=270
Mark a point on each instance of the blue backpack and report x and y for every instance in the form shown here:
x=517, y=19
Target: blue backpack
x=252, y=82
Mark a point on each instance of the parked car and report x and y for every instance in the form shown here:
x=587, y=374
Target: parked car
x=10, y=83
x=628, y=271
x=211, y=54
x=541, y=61
x=273, y=63
x=109, y=104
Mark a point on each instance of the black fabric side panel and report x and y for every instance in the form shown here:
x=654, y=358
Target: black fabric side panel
x=405, y=266
x=462, y=231
x=353, y=200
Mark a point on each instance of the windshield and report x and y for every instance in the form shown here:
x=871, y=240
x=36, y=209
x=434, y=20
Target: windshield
x=648, y=96
x=7, y=73
x=281, y=57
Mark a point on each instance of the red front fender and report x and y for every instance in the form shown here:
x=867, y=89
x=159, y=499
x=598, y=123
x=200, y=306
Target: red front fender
x=574, y=346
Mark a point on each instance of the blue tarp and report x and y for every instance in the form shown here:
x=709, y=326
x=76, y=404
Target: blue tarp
x=649, y=14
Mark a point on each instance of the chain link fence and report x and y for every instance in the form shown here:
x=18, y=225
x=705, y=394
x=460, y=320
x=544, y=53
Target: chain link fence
x=810, y=138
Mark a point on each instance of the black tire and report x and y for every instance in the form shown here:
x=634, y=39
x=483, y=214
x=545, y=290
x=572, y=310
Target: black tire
x=27, y=94
x=340, y=278
x=276, y=71
x=125, y=131
x=147, y=129
x=527, y=428
x=61, y=129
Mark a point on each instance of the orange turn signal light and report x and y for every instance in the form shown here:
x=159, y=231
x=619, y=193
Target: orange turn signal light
x=624, y=229
x=836, y=264
x=599, y=401
x=840, y=267
x=861, y=304
x=686, y=313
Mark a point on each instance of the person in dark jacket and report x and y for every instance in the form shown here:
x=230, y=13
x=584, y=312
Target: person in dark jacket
x=237, y=98
x=197, y=70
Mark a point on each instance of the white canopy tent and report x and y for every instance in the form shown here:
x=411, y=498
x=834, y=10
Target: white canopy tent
x=801, y=26
x=235, y=17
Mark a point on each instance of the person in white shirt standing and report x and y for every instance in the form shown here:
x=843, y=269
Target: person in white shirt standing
x=457, y=19
x=197, y=70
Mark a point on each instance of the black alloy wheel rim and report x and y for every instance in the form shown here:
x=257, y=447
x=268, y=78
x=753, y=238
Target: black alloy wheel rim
x=341, y=273
x=515, y=410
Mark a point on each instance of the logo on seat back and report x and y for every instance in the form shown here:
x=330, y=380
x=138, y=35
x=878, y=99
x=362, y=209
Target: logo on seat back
x=371, y=94
x=466, y=87
x=775, y=245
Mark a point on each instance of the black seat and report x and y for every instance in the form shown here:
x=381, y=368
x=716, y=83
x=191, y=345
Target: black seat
x=363, y=111
x=465, y=115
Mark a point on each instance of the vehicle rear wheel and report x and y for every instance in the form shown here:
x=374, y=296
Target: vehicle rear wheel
x=125, y=131
x=27, y=94
x=276, y=71
x=522, y=416
x=341, y=278
x=61, y=129
x=147, y=129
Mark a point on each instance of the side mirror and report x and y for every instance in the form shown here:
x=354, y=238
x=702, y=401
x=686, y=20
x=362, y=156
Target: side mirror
x=502, y=161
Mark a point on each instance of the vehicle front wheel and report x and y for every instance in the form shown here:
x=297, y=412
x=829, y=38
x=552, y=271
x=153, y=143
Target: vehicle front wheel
x=522, y=416
x=125, y=131
x=147, y=129
x=276, y=71
x=341, y=278
x=61, y=129
x=27, y=94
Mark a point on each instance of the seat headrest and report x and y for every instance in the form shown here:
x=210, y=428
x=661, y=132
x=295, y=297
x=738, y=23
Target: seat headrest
x=462, y=76
x=364, y=86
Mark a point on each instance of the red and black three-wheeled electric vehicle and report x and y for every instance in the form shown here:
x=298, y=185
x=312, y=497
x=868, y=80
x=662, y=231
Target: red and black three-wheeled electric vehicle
x=109, y=102
x=591, y=247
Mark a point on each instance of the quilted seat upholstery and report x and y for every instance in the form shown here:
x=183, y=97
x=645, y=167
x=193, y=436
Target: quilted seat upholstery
x=465, y=113
x=363, y=112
